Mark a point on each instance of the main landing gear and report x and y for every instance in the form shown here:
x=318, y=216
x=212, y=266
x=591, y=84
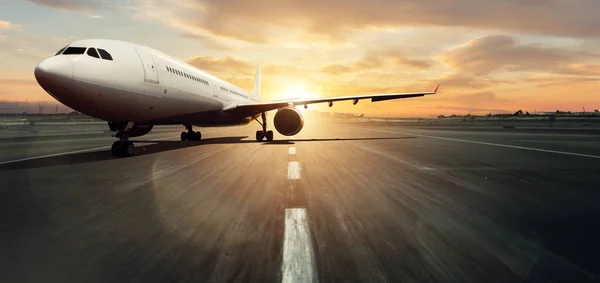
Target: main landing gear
x=190, y=135
x=260, y=135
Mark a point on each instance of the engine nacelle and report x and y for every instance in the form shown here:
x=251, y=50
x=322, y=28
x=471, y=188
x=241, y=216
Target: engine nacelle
x=288, y=121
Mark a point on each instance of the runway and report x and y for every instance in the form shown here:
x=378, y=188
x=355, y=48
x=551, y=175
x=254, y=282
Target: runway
x=343, y=202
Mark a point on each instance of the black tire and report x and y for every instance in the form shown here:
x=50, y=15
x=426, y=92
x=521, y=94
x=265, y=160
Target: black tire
x=116, y=149
x=184, y=136
x=128, y=149
x=269, y=135
x=198, y=136
x=260, y=135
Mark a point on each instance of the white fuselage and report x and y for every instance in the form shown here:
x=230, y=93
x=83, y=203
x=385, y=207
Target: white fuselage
x=140, y=85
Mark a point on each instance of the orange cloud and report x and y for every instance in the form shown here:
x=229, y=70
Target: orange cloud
x=229, y=65
x=500, y=53
x=378, y=59
x=258, y=21
x=72, y=5
x=4, y=25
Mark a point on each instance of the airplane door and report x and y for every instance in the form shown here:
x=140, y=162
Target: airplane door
x=150, y=72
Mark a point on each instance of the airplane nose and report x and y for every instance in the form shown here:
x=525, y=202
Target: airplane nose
x=54, y=70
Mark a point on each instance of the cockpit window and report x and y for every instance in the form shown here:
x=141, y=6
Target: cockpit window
x=74, y=51
x=60, y=51
x=105, y=55
x=92, y=52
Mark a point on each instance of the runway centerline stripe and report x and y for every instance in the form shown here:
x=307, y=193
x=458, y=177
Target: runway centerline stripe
x=293, y=170
x=292, y=150
x=298, y=263
x=489, y=143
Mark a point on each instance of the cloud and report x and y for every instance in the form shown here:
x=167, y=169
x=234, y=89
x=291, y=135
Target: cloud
x=583, y=69
x=256, y=21
x=503, y=53
x=413, y=63
x=5, y=25
x=376, y=59
x=482, y=98
x=228, y=65
x=336, y=69
x=70, y=5
x=497, y=53
x=543, y=80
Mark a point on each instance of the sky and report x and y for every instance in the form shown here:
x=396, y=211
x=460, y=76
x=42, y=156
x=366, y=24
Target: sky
x=489, y=56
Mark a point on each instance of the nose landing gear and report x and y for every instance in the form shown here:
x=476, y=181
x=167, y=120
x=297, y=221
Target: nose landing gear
x=123, y=148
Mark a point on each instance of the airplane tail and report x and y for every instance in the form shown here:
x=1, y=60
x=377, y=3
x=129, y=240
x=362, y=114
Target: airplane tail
x=256, y=90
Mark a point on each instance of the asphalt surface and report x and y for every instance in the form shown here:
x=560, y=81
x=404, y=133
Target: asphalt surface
x=336, y=203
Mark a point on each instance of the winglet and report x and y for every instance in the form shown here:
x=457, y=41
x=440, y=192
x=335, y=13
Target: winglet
x=436, y=88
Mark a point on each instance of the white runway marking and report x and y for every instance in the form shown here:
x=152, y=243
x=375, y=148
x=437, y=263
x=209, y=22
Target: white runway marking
x=298, y=263
x=70, y=152
x=292, y=150
x=293, y=170
x=490, y=144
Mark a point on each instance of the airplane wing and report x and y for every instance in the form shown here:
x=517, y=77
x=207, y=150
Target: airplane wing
x=256, y=108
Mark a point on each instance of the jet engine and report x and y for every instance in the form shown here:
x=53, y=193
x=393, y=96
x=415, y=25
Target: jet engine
x=288, y=121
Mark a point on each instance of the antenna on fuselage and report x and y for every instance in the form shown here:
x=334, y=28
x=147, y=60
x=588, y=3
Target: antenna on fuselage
x=256, y=89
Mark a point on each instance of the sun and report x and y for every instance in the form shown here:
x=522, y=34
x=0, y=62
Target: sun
x=299, y=91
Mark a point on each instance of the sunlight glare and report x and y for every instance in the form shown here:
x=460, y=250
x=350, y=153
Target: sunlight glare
x=299, y=91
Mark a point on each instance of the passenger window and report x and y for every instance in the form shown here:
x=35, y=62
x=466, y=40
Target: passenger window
x=74, y=51
x=92, y=52
x=105, y=55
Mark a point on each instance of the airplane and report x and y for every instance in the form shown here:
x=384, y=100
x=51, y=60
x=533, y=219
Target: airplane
x=135, y=88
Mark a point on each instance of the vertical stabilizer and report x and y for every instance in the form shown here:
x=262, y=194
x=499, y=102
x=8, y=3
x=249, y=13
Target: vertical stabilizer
x=256, y=90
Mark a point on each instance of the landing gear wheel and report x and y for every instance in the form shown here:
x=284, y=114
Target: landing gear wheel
x=260, y=135
x=184, y=136
x=122, y=149
x=116, y=149
x=128, y=149
x=197, y=136
x=269, y=135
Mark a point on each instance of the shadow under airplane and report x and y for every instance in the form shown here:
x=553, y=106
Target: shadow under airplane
x=157, y=147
